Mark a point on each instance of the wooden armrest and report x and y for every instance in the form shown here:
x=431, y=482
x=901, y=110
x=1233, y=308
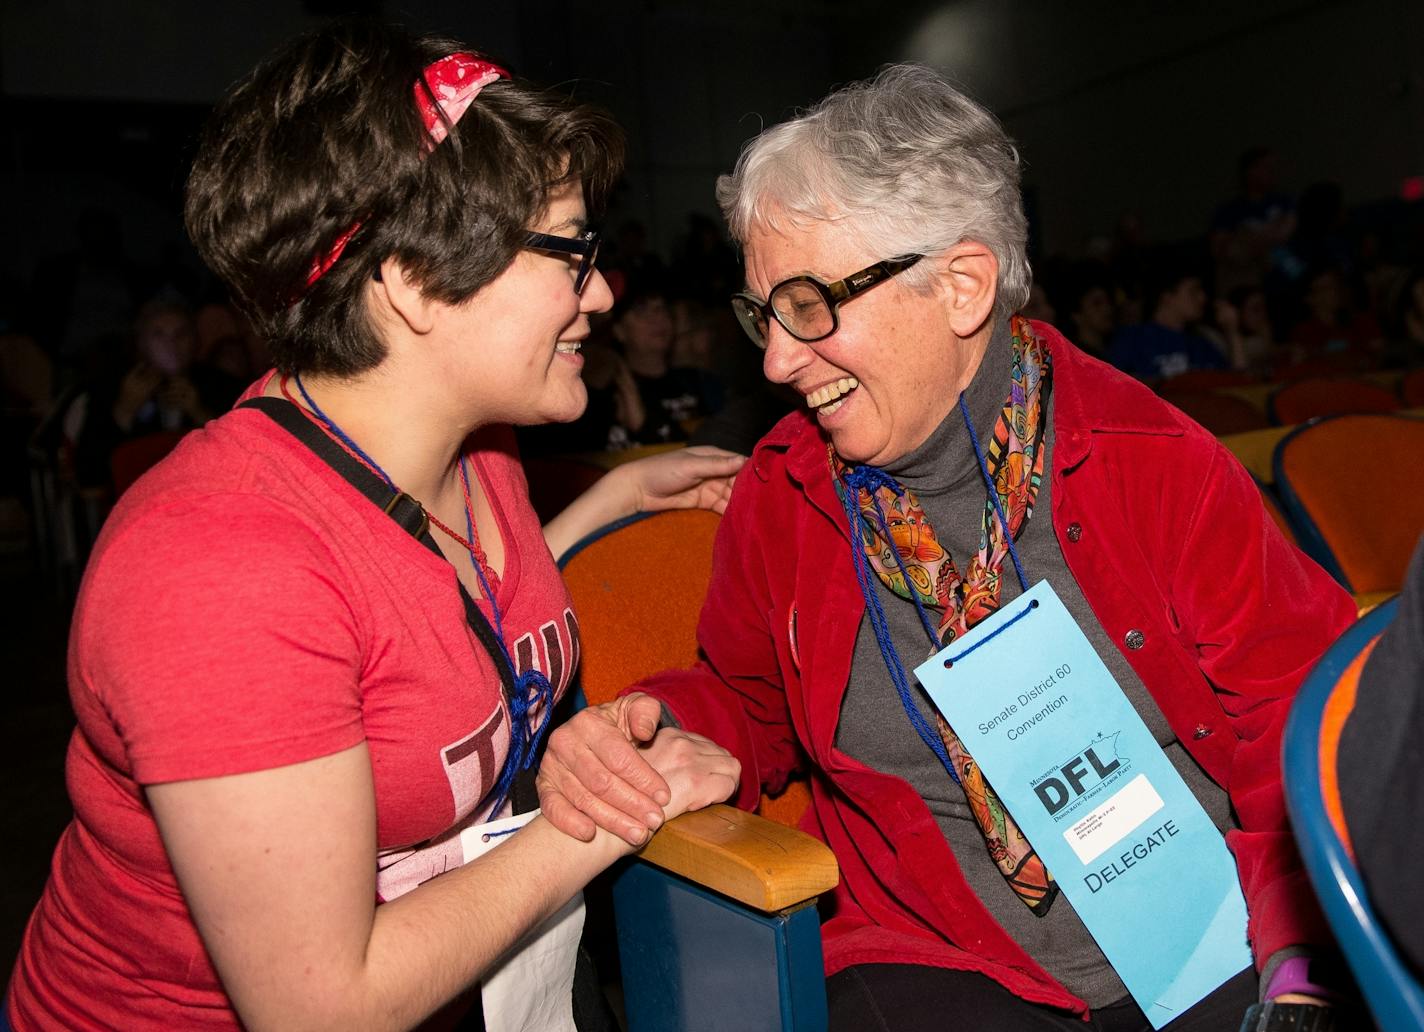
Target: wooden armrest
x=765, y=865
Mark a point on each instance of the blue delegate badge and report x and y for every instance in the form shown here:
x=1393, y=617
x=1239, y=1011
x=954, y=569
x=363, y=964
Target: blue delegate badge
x=1117, y=827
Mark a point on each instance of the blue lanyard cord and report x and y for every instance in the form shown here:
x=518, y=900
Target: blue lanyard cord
x=861, y=478
x=880, y=478
x=475, y=562
x=340, y=434
x=871, y=479
x=1032, y=605
x=993, y=494
x=523, y=746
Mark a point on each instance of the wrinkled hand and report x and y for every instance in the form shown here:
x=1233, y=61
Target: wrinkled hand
x=698, y=770
x=593, y=772
x=689, y=478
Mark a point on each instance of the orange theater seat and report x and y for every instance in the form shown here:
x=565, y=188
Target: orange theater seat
x=637, y=587
x=1220, y=413
x=1311, y=398
x=1344, y=363
x=1346, y=486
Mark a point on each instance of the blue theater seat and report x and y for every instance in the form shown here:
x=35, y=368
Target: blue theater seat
x=1394, y=996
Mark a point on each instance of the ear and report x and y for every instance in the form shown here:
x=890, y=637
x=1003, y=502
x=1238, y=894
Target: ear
x=399, y=297
x=969, y=277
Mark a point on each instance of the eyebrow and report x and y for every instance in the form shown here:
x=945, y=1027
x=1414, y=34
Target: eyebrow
x=576, y=223
x=807, y=273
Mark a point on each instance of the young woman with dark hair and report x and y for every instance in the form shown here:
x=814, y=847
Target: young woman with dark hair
x=297, y=708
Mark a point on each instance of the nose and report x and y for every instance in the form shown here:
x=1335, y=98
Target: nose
x=597, y=296
x=784, y=355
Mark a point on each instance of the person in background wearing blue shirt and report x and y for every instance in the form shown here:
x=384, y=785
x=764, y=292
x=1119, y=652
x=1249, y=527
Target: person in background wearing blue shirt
x=1164, y=346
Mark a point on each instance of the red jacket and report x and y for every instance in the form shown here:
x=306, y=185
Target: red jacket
x=1165, y=534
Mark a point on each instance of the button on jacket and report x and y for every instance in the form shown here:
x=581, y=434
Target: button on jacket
x=1218, y=614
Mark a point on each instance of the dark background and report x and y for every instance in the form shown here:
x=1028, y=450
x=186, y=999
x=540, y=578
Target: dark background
x=1118, y=107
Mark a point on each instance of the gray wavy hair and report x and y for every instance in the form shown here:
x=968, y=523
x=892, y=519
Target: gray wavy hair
x=910, y=164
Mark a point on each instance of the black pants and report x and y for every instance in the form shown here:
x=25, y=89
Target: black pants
x=911, y=998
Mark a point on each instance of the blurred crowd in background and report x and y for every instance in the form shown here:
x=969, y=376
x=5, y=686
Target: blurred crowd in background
x=98, y=353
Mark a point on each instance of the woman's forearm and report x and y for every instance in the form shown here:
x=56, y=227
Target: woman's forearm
x=431, y=944
x=278, y=868
x=610, y=498
x=419, y=948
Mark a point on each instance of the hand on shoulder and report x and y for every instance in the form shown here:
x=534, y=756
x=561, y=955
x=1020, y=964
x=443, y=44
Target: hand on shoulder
x=699, y=477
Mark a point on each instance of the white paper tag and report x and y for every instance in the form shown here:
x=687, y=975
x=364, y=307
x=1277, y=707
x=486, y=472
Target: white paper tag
x=1112, y=822
x=530, y=988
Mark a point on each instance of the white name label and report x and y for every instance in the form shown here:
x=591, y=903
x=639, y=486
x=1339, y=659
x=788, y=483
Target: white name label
x=1112, y=822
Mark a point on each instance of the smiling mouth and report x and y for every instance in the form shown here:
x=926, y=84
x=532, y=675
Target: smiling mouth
x=568, y=347
x=832, y=396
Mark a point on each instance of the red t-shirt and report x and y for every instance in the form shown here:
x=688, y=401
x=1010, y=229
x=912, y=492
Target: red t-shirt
x=246, y=608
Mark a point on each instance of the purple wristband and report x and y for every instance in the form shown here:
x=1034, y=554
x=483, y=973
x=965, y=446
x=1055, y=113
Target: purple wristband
x=1293, y=976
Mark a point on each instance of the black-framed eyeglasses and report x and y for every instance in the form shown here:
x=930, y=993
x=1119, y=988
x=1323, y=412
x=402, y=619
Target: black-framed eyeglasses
x=585, y=246
x=807, y=308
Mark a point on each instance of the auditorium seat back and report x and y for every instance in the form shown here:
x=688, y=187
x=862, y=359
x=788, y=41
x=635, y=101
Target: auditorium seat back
x=1350, y=486
x=638, y=586
x=1319, y=396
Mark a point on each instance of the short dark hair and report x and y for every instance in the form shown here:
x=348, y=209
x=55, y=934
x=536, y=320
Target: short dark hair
x=325, y=134
x=1167, y=270
x=640, y=287
x=1078, y=282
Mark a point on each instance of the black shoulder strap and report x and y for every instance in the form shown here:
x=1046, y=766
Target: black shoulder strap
x=401, y=507
x=409, y=516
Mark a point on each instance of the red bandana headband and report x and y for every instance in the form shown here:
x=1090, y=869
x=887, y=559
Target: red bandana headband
x=453, y=83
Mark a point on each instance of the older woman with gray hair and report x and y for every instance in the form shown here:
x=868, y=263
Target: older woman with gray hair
x=958, y=463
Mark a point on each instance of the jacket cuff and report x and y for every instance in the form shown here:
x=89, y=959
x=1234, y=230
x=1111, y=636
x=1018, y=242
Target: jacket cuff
x=667, y=719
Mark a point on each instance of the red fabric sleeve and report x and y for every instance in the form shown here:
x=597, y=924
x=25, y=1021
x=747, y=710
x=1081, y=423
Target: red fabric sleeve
x=1260, y=621
x=735, y=695
x=218, y=640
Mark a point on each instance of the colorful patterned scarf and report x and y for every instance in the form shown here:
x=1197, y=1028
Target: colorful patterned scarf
x=1015, y=464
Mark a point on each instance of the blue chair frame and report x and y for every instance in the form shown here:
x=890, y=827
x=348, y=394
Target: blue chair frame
x=695, y=960
x=1394, y=996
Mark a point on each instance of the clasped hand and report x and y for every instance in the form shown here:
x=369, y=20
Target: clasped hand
x=612, y=767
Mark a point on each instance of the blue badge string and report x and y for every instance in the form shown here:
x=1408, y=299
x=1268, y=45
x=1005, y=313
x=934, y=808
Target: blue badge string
x=340, y=434
x=925, y=620
x=523, y=745
x=1033, y=604
x=870, y=479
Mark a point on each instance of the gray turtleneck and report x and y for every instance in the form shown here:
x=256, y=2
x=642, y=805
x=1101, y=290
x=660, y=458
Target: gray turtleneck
x=873, y=726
